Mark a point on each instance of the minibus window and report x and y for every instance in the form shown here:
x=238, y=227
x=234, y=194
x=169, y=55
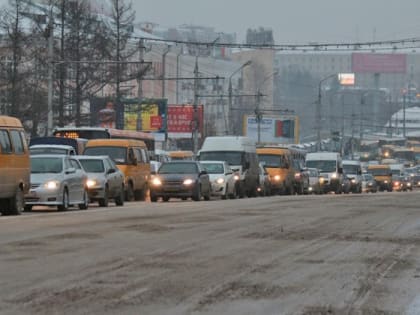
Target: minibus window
x=6, y=147
x=17, y=142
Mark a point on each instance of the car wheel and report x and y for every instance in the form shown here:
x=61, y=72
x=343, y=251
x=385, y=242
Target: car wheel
x=165, y=199
x=129, y=194
x=28, y=208
x=119, y=200
x=233, y=195
x=85, y=204
x=153, y=198
x=103, y=202
x=224, y=197
x=184, y=198
x=65, y=203
x=197, y=194
x=17, y=203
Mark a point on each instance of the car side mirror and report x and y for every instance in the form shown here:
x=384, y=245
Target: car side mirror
x=111, y=171
x=202, y=173
x=71, y=170
x=247, y=165
x=340, y=170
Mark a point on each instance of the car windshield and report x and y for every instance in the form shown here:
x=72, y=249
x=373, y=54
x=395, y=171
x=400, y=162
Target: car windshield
x=272, y=160
x=92, y=166
x=118, y=154
x=178, y=168
x=46, y=165
x=351, y=169
x=379, y=171
x=37, y=151
x=313, y=173
x=322, y=165
x=213, y=168
x=232, y=157
x=367, y=177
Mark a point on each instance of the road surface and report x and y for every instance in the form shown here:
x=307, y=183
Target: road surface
x=348, y=254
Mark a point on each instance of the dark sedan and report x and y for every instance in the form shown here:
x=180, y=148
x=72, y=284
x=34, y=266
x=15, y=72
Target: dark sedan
x=180, y=179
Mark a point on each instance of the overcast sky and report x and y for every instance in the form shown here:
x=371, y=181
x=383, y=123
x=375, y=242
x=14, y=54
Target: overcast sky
x=292, y=21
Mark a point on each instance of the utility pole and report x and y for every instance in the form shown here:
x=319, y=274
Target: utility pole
x=177, y=75
x=50, y=71
x=258, y=117
x=404, y=106
x=195, y=119
x=168, y=48
x=139, y=80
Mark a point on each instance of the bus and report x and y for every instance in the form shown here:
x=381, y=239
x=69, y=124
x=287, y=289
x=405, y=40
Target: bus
x=105, y=133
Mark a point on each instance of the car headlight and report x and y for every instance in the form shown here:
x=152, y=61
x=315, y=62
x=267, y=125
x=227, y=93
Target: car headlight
x=334, y=175
x=52, y=184
x=188, y=182
x=408, y=184
x=386, y=182
x=277, y=178
x=91, y=183
x=156, y=181
x=353, y=181
x=236, y=177
x=220, y=180
x=321, y=180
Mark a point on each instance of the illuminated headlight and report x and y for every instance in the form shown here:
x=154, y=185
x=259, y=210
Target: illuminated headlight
x=418, y=183
x=297, y=175
x=236, y=177
x=52, y=184
x=408, y=184
x=396, y=183
x=219, y=181
x=310, y=189
x=188, y=182
x=334, y=175
x=353, y=181
x=91, y=183
x=386, y=182
x=156, y=181
x=321, y=180
x=277, y=178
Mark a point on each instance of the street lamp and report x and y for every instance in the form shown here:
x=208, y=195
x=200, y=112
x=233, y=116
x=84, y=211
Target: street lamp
x=258, y=114
x=230, y=91
x=318, y=111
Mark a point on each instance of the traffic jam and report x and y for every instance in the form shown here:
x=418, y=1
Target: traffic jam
x=63, y=172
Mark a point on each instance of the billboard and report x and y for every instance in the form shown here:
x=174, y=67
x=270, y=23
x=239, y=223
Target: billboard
x=379, y=63
x=282, y=129
x=181, y=118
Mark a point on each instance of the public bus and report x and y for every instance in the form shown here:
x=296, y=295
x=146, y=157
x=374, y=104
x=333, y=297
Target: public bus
x=105, y=133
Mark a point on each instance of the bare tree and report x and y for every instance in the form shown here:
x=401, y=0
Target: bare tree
x=120, y=32
x=13, y=41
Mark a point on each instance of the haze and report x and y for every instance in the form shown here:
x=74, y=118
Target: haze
x=292, y=20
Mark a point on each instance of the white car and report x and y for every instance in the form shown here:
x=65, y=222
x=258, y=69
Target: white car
x=222, y=178
x=57, y=180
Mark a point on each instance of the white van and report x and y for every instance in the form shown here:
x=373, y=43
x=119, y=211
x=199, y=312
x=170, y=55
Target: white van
x=330, y=167
x=353, y=170
x=241, y=155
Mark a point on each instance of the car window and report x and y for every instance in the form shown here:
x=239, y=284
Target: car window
x=17, y=142
x=75, y=164
x=178, y=168
x=46, y=165
x=213, y=168
x=92, y=166
x=5, y=144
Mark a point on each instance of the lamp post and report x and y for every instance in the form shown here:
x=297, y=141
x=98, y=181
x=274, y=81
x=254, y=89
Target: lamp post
x=318, y=111
x=230, y=92
x=258, y=114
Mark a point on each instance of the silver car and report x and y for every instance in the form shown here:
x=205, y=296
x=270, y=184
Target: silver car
x=57, y=180
x=105, y=180
x=222, y=178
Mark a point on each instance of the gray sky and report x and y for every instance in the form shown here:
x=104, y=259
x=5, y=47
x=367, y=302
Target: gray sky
x=292, y=21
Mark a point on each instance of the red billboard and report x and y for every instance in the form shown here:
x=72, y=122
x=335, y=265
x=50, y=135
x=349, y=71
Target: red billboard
x=181, y=118
x=379, y=63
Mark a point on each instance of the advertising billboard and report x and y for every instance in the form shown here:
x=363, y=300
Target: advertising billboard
x=274, y=129
x=379, y=63
x=181, y=118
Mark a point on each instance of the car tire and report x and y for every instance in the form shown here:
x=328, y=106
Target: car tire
x=103, y=202
x=129, y=194
x=17, y=202
x=140, y=194
x=28, y=208
x=153, y=198
x=65, y=203
x=165, y=199
x=85, y=204
x=233, y=195
x=119, y=200
x=197, y=194
x=225, y=196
